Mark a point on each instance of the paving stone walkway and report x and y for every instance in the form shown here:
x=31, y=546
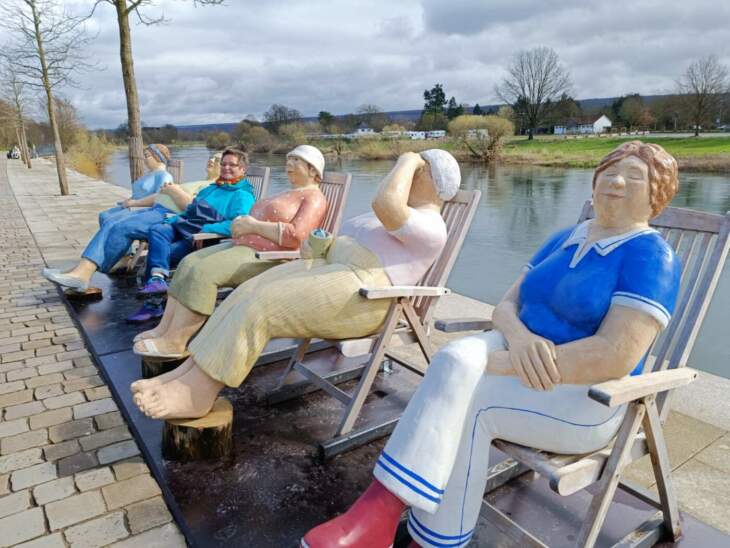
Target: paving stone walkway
x=70, y=474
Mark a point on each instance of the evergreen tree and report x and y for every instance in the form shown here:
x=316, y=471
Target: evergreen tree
x=435, y=99
x=453, y=110
x=477, y=110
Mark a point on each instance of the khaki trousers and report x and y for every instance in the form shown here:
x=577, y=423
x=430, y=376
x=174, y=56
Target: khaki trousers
x=301, y=299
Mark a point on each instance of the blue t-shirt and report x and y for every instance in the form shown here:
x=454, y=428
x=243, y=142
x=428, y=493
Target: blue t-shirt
x=569, y=287
x=150, y=183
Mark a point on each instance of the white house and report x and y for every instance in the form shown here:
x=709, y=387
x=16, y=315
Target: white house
x=363, y=131
x=415, y=135
x=436, y=134
x=584, y=125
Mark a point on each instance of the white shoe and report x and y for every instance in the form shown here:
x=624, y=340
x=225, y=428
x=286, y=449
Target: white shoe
x=55, y=276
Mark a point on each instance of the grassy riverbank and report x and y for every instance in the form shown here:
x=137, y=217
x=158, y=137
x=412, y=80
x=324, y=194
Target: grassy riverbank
x=692, y=153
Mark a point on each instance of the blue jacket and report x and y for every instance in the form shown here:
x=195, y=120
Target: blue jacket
x=229, y=201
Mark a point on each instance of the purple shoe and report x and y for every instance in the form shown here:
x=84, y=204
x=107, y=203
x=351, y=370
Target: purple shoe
x=154, y=286
x=146, y=313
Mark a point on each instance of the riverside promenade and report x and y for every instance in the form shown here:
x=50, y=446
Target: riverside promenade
x=70, y=472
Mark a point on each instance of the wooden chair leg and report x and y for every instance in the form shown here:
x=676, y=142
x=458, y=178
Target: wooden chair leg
x=596, y=515
x=368, y=375
x=297, y=357
x=141, y=248
x=421, y=336
x=662, y=469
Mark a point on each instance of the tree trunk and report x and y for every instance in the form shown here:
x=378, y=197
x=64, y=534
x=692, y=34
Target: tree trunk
x=530, y=136
x=136, y=153
x=24, y=144
x=24, y=137
x=60, y=160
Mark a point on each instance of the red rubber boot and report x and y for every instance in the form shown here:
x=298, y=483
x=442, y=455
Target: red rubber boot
x=369, y=523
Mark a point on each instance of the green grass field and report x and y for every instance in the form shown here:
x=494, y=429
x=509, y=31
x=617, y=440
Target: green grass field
x=711, y=153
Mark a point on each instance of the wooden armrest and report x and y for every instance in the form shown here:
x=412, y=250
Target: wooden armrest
x=403, y=291
x=463, y=324
x=616, y=392
x=278, y=255
x=201, y=236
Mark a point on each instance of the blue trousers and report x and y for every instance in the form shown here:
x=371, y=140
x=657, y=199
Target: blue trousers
x=117, y=233
x=115, y=213
x=167, y=247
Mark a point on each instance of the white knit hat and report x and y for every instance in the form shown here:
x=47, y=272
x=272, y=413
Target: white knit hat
x=444, y=171
x=311, y=155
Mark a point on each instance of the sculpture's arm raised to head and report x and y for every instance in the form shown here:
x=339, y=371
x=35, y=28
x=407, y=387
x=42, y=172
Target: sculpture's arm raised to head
x=391, y=201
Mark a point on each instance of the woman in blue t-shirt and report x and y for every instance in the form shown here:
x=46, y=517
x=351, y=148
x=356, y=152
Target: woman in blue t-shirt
x=144, y=189
x=106, y=247
x=587, y=308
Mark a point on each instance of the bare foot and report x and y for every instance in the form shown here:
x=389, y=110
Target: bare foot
x=188, y=397
x=149, y=334
x=165, y=347
x=146, y=384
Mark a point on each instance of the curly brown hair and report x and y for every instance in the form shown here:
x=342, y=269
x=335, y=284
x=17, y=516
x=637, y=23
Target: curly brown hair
x=663, y=170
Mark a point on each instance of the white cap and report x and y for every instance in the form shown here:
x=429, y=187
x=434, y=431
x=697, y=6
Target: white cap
x=311, y=155
x=444, y=171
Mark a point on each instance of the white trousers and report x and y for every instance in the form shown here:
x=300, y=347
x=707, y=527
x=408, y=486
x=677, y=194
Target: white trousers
x=437, y=458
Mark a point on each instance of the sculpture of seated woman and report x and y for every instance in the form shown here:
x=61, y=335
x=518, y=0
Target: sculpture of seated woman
x=212, y=210
x=586, y=309
x=120, y=226
x=281, y=222
x=393, y=245
x=144, y=189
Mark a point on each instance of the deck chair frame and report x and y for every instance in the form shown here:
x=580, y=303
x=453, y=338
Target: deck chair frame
x=701, y=240
x=408, y=320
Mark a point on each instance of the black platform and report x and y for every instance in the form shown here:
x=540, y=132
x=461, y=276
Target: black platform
x=274, y=488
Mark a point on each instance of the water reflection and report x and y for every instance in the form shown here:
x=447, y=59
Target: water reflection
x=520, y=207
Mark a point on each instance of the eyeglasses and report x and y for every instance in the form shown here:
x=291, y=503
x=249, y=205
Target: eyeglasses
x=230, y=165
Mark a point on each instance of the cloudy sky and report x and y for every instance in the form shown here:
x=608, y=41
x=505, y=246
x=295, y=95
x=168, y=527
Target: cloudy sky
x=218, y=64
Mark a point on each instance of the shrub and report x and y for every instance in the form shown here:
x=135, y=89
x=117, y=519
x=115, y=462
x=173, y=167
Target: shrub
x=218, y=141
x=90, y=153
x=481, y=136
x=257, y=139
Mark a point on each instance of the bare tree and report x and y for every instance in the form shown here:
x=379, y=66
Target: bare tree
x=12, y=90
x=703, y=85
x=535, y=81
x=125, y=9
x=46, y=47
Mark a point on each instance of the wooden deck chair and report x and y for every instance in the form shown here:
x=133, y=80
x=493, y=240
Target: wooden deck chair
x=701, y=242
x=259, y=177
x=335, y=186
x=175, y=168
x=408, y=320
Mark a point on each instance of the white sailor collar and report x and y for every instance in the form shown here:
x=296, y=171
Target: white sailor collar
x=602, y=247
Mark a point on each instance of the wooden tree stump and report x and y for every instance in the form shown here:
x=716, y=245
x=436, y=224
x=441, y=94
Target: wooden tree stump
x=152, y=367
x=91, y=294
x=209, y=437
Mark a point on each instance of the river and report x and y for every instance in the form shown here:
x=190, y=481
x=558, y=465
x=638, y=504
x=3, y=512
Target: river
x=520, y=207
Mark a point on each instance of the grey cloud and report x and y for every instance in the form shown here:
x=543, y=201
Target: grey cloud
x=218, y=64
